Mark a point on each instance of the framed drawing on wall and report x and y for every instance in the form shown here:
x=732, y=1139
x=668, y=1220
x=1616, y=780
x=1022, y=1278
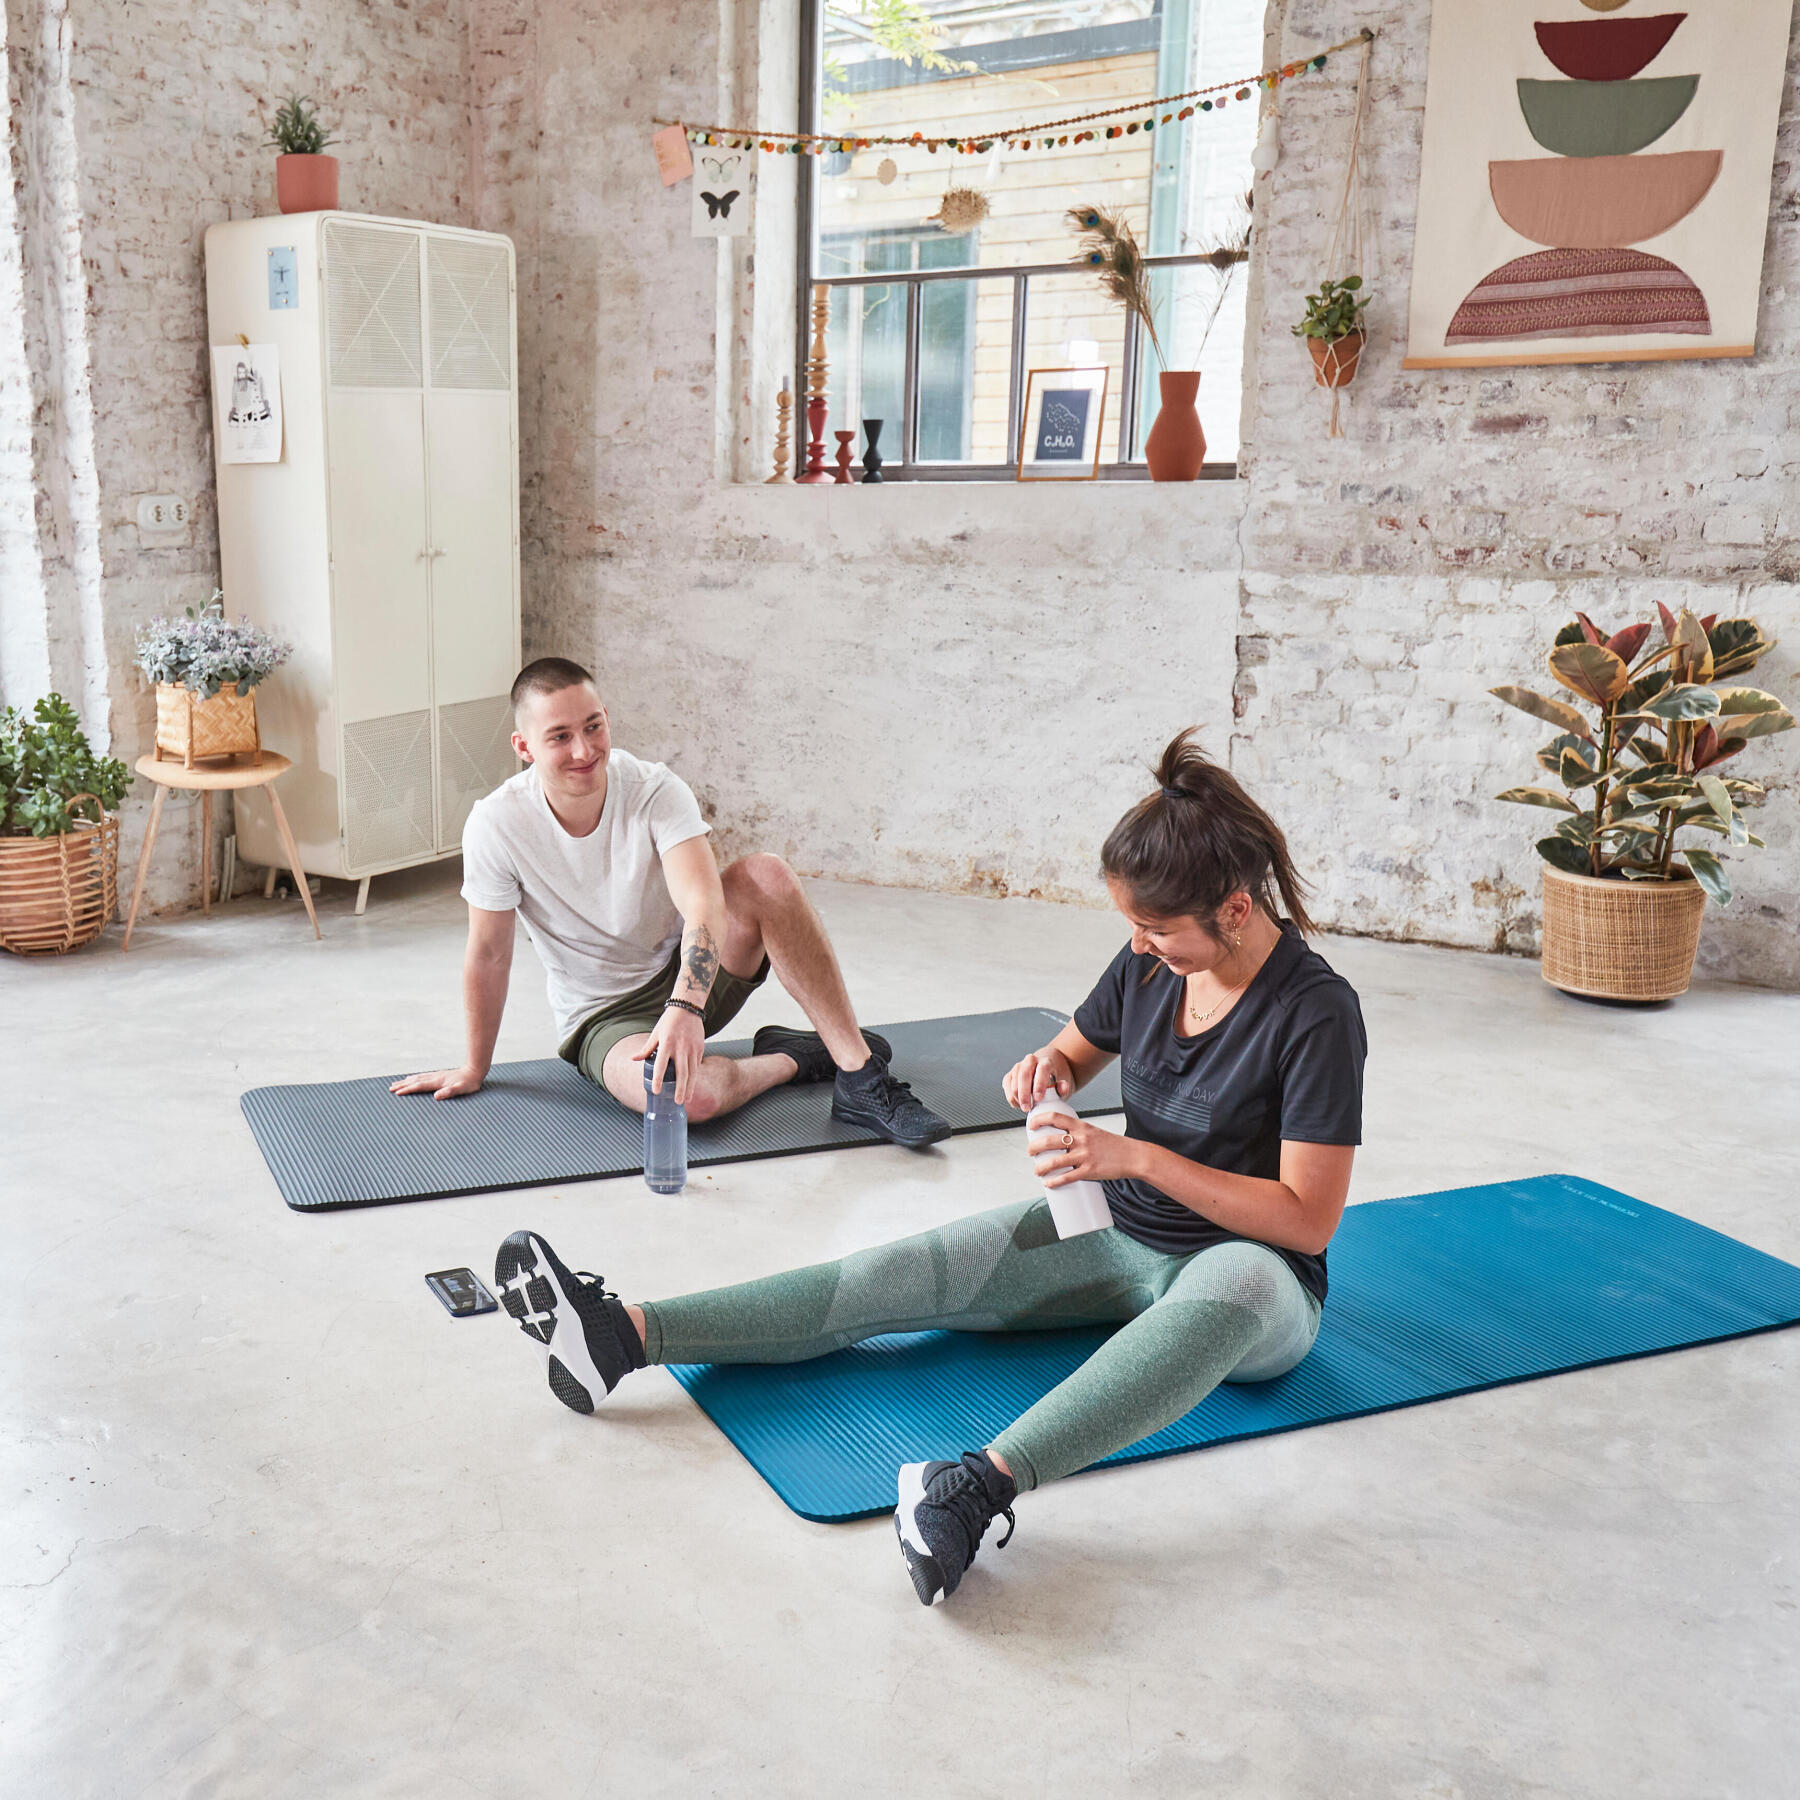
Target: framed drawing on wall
x=1059, y=429
x=1594, y=185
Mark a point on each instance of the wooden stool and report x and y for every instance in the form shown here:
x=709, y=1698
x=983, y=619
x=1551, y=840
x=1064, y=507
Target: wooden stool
x=210, y=778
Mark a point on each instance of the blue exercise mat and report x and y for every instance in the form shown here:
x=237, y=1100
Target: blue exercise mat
x=1431, y=1296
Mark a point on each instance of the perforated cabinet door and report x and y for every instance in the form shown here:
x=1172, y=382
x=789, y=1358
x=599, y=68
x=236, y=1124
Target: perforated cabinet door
x=472, y=465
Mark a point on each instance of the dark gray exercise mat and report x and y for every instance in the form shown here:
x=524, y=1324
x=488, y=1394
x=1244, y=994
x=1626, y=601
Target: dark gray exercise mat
x=333, y=1144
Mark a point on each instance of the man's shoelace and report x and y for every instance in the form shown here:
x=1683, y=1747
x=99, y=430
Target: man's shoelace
x=966, y=1501
x=597, y=1282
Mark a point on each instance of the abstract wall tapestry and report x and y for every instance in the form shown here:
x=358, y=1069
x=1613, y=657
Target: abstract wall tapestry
x=1595, y=180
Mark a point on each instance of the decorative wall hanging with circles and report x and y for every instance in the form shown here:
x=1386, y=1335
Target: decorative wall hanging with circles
x=1595, y=180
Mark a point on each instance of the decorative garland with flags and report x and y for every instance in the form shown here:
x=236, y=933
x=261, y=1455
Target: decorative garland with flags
x=1045, y=135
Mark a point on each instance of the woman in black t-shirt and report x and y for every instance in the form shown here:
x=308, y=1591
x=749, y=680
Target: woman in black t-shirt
x=1241, y=1063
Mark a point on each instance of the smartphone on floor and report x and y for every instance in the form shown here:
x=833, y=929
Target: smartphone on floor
x=461, y=1292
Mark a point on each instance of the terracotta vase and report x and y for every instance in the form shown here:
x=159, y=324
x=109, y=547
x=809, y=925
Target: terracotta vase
x=1176, y=446
x=306, y=183
x=1334, y=361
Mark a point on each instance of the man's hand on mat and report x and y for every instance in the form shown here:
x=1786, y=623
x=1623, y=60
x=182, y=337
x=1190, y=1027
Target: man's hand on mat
x=1090, y=1154
x=1033, y=1076
x=677, y=1043
x=441, y=1084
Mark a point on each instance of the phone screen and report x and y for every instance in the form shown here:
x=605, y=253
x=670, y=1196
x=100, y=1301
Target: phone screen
x=461, y=1291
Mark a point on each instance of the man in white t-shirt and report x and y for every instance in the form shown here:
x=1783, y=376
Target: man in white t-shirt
x=648, y=947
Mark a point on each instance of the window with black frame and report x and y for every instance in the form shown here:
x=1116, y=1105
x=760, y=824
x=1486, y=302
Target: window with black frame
x=934, y=331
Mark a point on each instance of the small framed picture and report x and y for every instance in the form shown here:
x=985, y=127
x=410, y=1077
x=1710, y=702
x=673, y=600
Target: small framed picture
x=1059, y=434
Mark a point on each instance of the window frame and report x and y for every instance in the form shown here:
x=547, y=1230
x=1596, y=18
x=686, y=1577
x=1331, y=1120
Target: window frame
x=901, y=462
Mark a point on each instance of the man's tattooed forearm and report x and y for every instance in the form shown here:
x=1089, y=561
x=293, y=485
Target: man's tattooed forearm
x=701, y=962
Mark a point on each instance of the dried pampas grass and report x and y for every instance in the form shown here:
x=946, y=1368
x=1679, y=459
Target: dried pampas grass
x=1111, y=251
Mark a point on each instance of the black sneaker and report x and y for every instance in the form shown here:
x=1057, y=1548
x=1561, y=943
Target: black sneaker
x=584, y=1334
x=808, y=1050
x=945, y=1508
x=872, y=1097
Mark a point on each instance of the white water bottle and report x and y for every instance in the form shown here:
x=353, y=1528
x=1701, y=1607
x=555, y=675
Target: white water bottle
x=1076, y=1206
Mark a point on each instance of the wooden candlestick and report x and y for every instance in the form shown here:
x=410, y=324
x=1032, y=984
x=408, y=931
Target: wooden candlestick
x=784, y=414
x=817, y=475
x=845, y=440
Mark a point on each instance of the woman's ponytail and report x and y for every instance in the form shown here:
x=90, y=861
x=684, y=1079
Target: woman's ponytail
x=1186, y=849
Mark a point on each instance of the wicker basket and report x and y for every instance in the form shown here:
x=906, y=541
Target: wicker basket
x=1620, y=940
x=191, y=729
x=57, y=893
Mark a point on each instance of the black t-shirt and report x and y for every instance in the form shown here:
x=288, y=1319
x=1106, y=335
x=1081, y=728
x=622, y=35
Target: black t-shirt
x=1285, y=1062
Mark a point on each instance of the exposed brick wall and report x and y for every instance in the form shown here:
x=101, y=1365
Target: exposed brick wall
x=1392, y=577
x=169, y=113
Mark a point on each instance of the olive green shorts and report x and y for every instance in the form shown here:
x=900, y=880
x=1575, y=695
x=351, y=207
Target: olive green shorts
x=635, y=1014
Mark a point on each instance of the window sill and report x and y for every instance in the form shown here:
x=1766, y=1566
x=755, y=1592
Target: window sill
x=932, y=475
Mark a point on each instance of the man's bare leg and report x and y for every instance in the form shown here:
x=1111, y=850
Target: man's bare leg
x=771, y=915
x=721, y=1085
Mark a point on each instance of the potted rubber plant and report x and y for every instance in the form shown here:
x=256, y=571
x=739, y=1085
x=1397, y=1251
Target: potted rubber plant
x=1647, y=799
x=206, y=670
x=1333, y=329
x=59, y=836
x=306, y=180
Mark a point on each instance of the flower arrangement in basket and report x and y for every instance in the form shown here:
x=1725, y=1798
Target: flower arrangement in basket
x=59, y=841
x=206, y=670
x=1621, y=914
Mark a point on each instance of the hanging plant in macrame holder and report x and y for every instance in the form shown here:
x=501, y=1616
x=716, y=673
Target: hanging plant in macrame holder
x=1332, y=325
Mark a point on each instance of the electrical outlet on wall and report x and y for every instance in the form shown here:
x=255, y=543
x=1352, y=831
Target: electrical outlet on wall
x=163, y=519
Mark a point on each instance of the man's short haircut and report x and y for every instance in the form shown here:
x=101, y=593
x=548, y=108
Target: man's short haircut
x=548, y=675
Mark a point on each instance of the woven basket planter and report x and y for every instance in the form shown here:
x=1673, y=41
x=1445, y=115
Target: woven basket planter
x=1620, y=940
x=58, y=893
x=191, y=729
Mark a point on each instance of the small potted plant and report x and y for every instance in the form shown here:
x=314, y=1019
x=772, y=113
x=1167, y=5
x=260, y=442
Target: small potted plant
x=59, y=839
x=306, y=180
x=206, y=670
x=1623, y=895
x=1333, y=329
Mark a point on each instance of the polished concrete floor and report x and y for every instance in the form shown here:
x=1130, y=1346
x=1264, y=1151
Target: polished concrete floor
x=274, y=1524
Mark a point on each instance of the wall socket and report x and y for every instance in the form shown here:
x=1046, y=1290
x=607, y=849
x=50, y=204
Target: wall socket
x=162, y=518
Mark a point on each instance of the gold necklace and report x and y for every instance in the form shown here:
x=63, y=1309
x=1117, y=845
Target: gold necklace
x=1231, y=994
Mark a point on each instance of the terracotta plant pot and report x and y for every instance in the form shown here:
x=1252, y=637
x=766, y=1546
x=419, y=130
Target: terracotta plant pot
x=1613, y=939
x=1176, y=446
x=306, y=183
x=1335, y=360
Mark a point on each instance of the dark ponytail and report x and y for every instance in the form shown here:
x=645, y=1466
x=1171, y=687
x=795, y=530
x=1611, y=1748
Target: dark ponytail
x=1186, y=849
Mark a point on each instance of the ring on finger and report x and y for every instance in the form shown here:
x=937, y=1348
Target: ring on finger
x=1068, y=1141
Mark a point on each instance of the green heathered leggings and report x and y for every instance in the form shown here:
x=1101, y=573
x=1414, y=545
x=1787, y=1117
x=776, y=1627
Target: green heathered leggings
x=1234, y=1312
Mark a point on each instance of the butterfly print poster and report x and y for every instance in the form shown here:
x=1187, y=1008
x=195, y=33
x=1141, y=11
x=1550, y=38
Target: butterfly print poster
x=1594, y=184
x=721, y=191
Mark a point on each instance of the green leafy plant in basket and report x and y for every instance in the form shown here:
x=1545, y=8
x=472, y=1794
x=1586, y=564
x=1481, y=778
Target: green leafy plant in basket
x=45, y=761
x=296, y=130
x=1651, y=767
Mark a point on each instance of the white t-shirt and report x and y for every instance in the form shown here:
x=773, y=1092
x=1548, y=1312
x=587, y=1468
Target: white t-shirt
x=597, y=907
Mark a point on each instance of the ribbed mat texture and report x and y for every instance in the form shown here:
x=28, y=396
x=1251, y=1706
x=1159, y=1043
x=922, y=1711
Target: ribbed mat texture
x=336, y=1144
x=1436, y=1295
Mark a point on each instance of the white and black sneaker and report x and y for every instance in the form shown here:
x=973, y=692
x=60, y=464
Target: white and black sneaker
x=583, y=1333
x=945, y=1509
x=871, y=1096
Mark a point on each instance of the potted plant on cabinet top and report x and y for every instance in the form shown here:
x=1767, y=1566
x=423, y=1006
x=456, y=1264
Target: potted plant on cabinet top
x=1333, y=329
x=206, y=670
x=1175, y=447
x=59, y=840
x=1621, y=912
x=306, y=180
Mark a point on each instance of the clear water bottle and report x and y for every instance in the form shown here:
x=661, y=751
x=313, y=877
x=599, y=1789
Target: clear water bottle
x=665, y=1134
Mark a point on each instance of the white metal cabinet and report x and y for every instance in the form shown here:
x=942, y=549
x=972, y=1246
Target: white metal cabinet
x=384, y=544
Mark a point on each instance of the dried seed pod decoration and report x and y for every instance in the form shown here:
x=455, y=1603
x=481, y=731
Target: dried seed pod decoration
x=961, y=209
